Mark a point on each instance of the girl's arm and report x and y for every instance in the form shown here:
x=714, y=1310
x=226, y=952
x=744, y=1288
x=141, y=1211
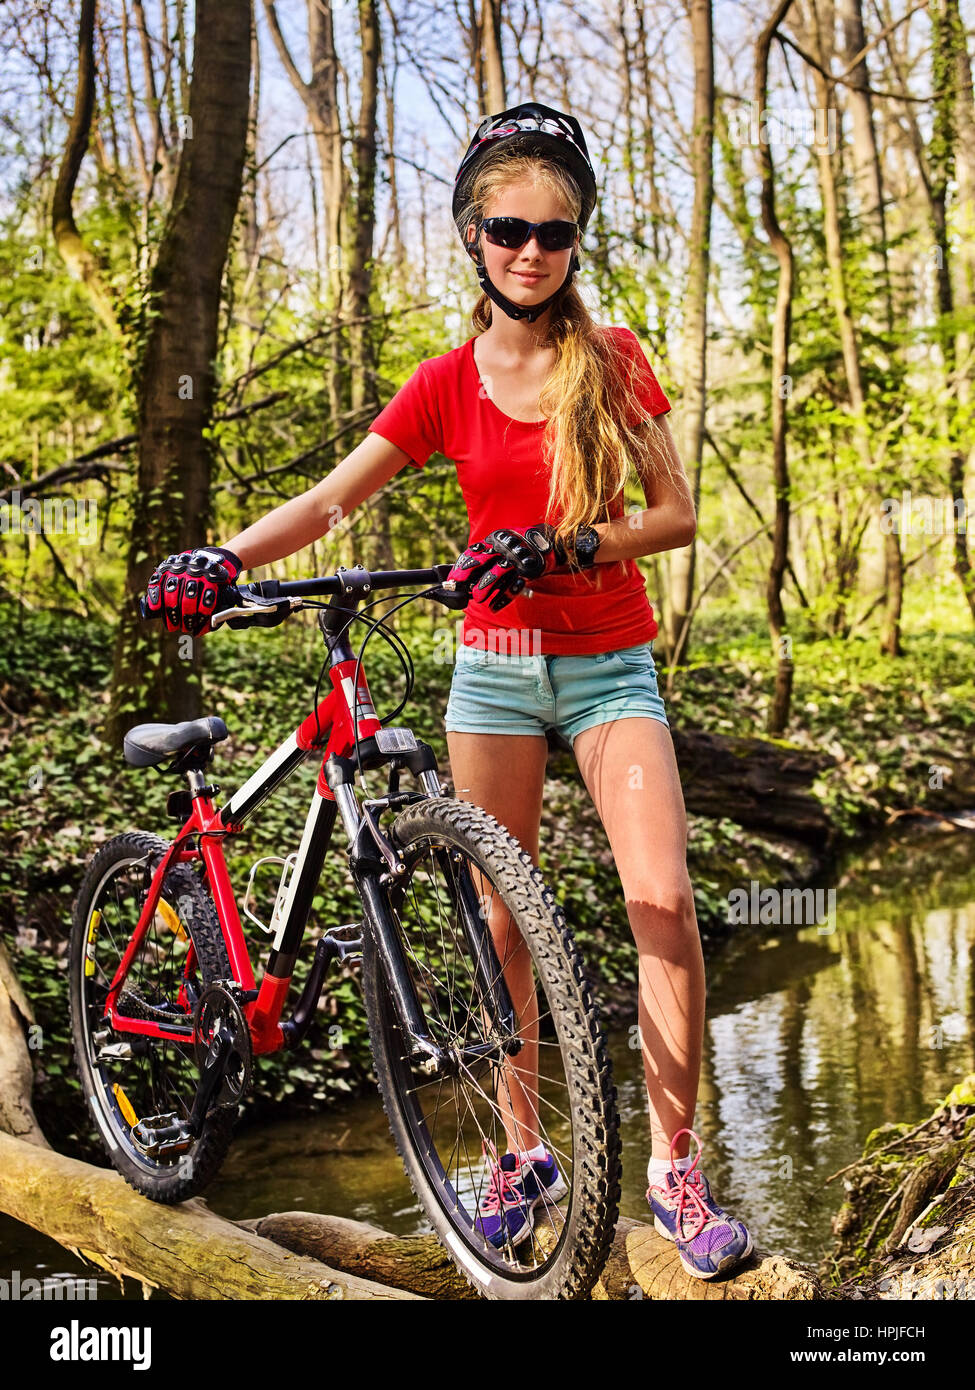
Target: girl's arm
x=669, y=521
x=306, y=518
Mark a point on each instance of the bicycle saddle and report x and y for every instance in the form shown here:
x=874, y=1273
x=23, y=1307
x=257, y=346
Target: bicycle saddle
x=148, y=744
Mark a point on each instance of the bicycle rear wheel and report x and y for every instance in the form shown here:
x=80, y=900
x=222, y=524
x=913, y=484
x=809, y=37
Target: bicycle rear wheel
x=449, y=1128
x=127, y=1077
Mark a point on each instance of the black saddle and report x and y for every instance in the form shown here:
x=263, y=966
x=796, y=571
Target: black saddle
x=148, y=744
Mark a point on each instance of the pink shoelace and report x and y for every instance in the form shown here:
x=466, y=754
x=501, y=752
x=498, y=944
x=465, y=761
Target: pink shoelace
x=499, y=1187
x=688, y=1190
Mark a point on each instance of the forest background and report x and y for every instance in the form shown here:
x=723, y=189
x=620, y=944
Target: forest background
x=225, y=241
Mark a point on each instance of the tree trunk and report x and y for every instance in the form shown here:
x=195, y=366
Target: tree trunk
x=160, y=158
x=176, y=376
x=867, y=169
x=493, y=63
x=401, y=271
x=953, y=125
x=778, y=716
x=695, y=309
x=952, y=128
x=320, y=97
x=377, y=548
x=893, y=560
x=361, y=333
x=965, y=284
x=249, y=246
x=655, y=207
x=16, y=1069
x=868, y=176
x=76, y=255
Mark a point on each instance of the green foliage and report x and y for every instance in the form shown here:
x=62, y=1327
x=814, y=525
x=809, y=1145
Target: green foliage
x=890, y=723
x=53, y=381
x=62, y=792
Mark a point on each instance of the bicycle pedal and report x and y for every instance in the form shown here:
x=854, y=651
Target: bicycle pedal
x=345, y=948
x=122, y=1051
x=162, y=1136
x=125, y=1050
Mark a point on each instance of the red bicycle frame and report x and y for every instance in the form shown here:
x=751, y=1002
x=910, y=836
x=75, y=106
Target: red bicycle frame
x=333, y=717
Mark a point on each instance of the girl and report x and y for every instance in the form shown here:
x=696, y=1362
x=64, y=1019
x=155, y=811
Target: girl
x=544, y=414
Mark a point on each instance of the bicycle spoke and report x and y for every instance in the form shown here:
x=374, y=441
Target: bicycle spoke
x=157, y=1076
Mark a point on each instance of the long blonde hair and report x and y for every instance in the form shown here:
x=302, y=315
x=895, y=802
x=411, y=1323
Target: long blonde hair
x=596, y=426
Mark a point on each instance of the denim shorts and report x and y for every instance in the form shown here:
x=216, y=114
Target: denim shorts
x=493, y=693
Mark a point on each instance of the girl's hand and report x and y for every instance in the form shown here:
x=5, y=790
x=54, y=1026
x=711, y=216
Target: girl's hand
x=521, y=553
x=186, y=588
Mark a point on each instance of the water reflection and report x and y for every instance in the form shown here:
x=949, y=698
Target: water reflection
x=813, y=1040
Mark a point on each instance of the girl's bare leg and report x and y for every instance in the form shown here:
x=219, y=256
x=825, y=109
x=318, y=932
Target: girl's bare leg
x=631, y=772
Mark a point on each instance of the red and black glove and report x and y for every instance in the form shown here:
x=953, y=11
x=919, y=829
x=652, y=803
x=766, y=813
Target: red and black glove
x=520, y=554
x=187, y=589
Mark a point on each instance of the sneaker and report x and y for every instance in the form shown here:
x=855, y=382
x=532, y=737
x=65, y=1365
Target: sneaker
x=516, y=1188
x=708, y=1241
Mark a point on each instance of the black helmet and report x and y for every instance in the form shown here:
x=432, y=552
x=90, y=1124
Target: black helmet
x=530, y=129
x=535, y=129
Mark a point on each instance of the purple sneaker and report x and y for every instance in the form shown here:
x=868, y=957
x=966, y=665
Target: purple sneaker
x=708, y=1241
x=516, y=1188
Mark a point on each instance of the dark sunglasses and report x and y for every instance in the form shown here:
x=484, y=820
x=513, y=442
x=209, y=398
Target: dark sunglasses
x=512, y=232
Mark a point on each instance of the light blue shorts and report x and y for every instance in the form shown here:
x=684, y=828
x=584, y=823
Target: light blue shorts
x=493, y=693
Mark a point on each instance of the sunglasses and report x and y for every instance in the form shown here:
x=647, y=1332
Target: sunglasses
x=512, y=232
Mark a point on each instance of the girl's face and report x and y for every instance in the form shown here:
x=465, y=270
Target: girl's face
x=529, y=273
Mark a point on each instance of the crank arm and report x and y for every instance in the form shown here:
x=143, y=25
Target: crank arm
x=213, y=1072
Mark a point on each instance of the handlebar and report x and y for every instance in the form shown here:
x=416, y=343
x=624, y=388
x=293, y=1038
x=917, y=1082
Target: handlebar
x=343, y=580
x=274, y=598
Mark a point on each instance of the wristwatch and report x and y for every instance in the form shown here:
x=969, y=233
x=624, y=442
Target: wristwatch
x=587, y=540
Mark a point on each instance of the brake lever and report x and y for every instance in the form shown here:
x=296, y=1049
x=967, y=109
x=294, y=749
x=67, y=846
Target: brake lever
x=276, y=610
x=451, y=594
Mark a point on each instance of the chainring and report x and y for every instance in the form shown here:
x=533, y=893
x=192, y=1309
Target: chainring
x=219, y=1007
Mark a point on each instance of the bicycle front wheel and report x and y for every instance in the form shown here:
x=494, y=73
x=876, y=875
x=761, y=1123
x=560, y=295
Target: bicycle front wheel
x=540, y=1075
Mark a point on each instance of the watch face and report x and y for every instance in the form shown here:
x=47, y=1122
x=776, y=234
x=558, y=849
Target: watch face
x=587, y=543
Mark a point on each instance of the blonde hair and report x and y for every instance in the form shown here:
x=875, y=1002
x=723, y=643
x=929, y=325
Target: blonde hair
x=596, y=426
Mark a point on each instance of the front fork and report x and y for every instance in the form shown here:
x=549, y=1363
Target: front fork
x=374, y=877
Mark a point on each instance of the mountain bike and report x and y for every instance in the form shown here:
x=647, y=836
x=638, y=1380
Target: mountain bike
x=168, y=1019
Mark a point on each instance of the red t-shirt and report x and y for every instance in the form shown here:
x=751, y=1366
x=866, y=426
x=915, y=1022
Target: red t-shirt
x=443, y=408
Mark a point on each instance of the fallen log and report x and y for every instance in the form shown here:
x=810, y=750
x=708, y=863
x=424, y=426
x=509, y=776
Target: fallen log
x=419, y=1264
x=16, y=1069
x=186, y=1249
x=641, y=1264
x=644, y=1265
x=756, y=783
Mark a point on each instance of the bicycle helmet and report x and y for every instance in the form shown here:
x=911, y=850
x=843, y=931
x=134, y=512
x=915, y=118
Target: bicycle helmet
x=533, y=129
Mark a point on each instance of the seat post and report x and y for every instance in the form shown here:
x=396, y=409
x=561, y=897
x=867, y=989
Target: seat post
x=196, y=781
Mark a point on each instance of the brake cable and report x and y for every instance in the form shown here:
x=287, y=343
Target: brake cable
x=391, y=637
